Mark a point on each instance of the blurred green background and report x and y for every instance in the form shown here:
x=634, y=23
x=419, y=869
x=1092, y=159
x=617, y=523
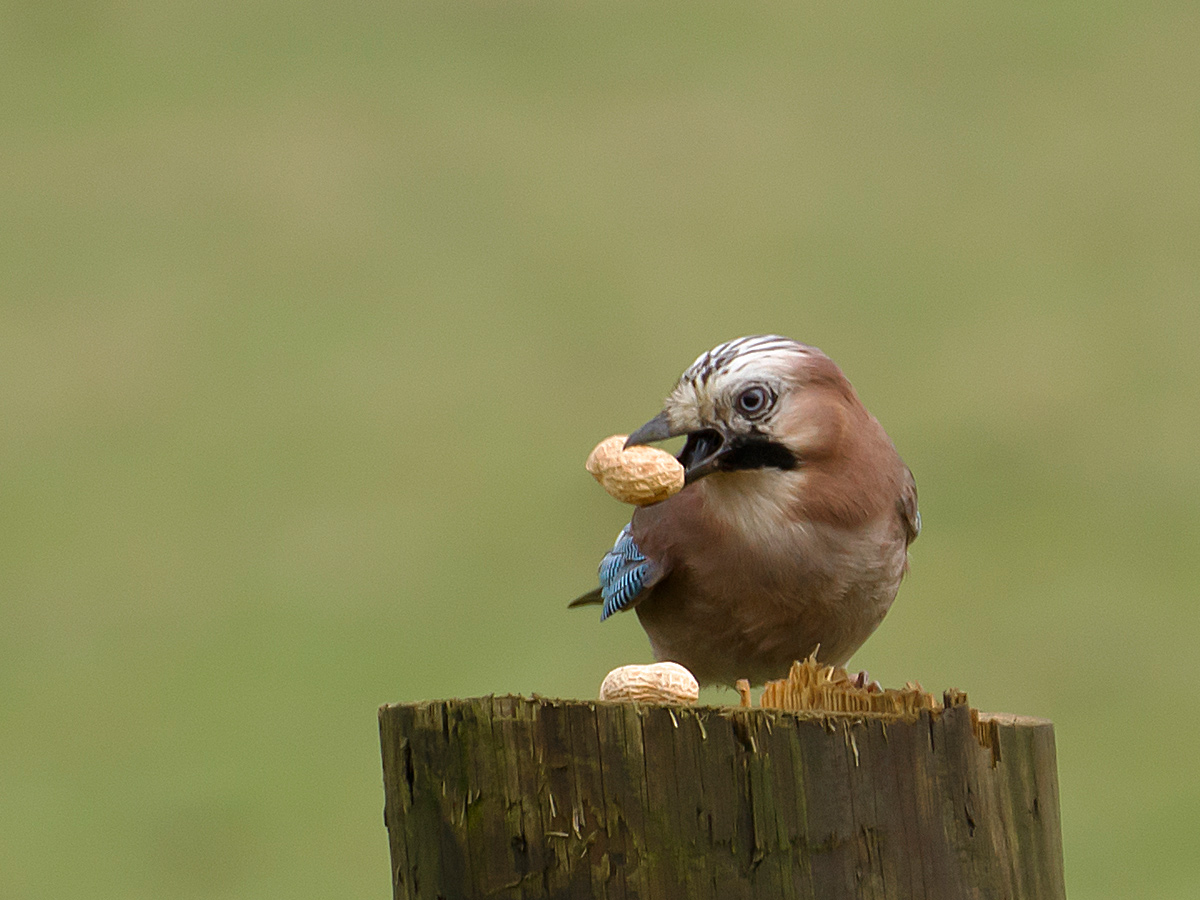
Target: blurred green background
x=311, y=313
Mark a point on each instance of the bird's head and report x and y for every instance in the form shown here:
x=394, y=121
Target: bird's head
x=753, y=403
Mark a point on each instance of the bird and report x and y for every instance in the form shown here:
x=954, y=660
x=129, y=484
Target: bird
x=790, y=536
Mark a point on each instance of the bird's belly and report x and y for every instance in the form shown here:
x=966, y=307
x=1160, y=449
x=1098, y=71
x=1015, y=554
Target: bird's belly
x=757, y=633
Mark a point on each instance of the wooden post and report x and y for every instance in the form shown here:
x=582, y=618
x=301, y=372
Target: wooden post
x=509, y=797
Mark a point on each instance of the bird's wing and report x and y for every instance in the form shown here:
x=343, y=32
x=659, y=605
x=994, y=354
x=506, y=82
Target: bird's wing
x=625, y=576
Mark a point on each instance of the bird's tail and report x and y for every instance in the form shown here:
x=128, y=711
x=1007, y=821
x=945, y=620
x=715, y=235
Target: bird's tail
x=591, y=597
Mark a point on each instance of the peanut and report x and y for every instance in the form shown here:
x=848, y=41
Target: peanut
x=666, y=682
x=640, y=475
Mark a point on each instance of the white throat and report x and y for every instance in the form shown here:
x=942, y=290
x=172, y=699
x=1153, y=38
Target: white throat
x=755, y=502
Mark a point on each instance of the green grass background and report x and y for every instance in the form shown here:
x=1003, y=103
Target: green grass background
x=310, y=314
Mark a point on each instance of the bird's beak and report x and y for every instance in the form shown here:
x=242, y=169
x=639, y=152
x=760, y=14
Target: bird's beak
x=700, y=456
x=657, y=429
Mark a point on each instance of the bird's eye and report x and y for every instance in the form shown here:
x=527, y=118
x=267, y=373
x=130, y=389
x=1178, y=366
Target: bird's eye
x=753, y=401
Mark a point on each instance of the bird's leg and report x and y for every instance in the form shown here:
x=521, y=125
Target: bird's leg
x=742, y=686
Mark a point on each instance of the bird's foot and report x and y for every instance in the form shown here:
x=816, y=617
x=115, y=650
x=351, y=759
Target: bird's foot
x=863, y=681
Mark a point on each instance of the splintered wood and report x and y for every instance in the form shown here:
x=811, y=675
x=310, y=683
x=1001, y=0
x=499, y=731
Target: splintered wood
x=812, y=687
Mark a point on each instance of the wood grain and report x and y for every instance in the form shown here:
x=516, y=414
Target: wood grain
x=508, y=797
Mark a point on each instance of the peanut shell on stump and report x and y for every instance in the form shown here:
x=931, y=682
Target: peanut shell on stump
x=665, y=682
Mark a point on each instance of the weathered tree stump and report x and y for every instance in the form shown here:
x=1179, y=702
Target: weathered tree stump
x=516, y=798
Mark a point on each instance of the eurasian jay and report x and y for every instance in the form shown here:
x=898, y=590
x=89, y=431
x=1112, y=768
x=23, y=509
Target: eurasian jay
x=791, y=532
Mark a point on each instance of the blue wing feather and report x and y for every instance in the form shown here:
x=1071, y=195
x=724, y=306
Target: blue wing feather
x=624, y=574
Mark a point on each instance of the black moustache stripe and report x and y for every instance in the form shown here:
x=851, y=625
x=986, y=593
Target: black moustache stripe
x=760, y=454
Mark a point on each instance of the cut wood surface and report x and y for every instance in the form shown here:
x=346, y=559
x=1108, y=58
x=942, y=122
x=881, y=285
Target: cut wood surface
x=511, y=797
